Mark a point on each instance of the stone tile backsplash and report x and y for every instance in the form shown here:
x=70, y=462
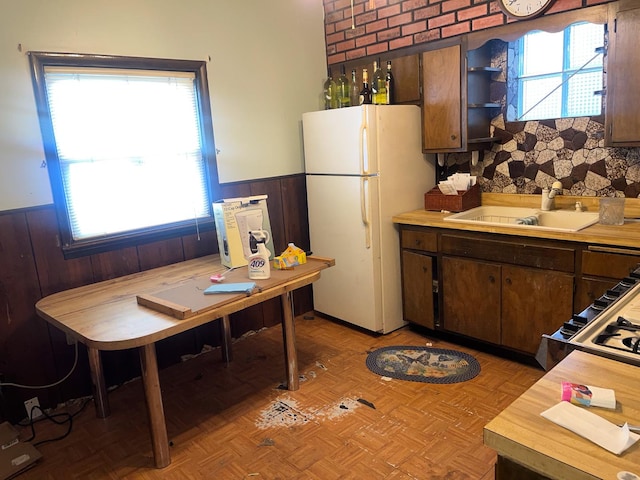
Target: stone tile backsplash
x=532, y=155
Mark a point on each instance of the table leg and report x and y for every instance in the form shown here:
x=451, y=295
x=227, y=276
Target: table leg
x=152, y=392
x=227, y=354
x=97, y=379
x=289, y=338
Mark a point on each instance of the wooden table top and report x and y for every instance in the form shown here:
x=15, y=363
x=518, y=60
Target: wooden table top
x=521, y=434
x=107, y=316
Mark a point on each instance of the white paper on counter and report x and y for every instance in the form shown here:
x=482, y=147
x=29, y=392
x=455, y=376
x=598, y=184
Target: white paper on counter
x=592, y=427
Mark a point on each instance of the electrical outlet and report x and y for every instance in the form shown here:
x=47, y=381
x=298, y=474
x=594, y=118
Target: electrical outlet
x=32, y=412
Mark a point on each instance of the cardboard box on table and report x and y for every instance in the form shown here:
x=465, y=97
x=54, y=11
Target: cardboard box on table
x=235, y=218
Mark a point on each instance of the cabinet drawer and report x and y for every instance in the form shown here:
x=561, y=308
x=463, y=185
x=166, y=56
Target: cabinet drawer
x=517, y=253
x=611, y=265
x=419, y=240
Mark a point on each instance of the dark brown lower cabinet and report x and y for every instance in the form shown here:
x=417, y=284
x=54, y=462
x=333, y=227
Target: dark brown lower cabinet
x=506, y=305
x=602, y=269
x=509, y=470
x=417, y=288
x=471, y=298
x=533, y=302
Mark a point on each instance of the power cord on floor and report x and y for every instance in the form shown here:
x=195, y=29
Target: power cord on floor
x=66, y=418
x=54, y=418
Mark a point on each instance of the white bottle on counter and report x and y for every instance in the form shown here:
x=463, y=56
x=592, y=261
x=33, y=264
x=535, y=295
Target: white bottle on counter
x=259, y=268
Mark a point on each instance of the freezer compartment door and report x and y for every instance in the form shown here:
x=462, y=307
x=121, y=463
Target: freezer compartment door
x=343, y=224
x=340, y=142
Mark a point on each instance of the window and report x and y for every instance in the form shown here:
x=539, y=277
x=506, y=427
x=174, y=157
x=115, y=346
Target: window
x=558, y=73
x=129, y=147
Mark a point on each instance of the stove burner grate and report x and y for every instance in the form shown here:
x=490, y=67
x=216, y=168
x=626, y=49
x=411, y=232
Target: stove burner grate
x=621, y=335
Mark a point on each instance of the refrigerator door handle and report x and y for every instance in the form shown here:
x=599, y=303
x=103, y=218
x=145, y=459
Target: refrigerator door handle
x=364, y=161
x=365, y=211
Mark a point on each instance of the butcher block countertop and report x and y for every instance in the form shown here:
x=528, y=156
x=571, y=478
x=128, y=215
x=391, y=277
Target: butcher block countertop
x=627, y=235
x=520, y=434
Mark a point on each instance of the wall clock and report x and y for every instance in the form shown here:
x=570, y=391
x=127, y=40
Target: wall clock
x=523, y=9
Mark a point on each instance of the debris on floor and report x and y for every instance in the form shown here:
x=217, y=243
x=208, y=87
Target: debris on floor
x=285, y=412
x=345, y=406
x=367, y=403
x=282, y=413
x=205, y=349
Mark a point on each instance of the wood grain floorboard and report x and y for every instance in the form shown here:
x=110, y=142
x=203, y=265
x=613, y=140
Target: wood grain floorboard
x=235, y=423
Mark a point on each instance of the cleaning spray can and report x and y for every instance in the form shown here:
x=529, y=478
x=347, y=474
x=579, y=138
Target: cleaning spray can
x=259, y=268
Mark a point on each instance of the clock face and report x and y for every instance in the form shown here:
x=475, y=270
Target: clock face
x=524, y=8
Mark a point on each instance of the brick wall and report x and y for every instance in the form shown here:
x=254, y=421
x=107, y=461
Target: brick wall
x=362, y=28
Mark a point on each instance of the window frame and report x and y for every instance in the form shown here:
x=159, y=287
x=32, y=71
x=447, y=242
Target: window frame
x=564, y=75
x=75, y=248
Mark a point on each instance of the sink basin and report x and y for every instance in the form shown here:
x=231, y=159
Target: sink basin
x=554, y=220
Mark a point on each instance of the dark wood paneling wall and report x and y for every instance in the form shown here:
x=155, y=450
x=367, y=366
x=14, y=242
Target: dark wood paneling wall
x=32, y=266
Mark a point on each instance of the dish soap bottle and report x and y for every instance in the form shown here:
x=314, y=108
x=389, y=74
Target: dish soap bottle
x=259, y=268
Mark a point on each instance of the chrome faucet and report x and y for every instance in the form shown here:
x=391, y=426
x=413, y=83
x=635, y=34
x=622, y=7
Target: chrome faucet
x=548, y=196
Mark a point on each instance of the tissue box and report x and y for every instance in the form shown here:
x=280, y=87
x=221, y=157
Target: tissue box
x=434, y=199
x=235, y=218
x=291, y=257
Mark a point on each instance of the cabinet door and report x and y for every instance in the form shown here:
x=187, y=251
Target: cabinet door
x=622, y=122
x=417, y=289
x=471, y=298
x=533, y=302
x=590, y=289
x=406, y=74
x=606, y=262
x=602, y=269
x=443, y=121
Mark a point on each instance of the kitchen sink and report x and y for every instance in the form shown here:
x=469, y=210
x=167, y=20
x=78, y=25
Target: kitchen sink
x=530, y=218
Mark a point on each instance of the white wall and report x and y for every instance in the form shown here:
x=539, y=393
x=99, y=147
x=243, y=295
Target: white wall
x=266, y=63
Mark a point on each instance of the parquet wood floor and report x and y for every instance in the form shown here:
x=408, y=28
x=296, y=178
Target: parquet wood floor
x=235, y=423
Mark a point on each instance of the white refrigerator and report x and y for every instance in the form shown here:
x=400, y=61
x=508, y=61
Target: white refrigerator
x=363, y=165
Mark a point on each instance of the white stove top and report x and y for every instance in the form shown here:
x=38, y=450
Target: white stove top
x=614, y=333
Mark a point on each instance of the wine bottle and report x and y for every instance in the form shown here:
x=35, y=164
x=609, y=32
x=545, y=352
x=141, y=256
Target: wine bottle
x=342, y=85
x=390, y=85
x=378, y=86
x=365, y=93
x=330, y=92
x=354, y=90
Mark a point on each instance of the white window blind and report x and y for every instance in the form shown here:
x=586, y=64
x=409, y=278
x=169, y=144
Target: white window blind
x=129, y=148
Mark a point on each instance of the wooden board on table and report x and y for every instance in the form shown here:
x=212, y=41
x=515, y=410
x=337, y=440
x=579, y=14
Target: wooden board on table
x=188, y=299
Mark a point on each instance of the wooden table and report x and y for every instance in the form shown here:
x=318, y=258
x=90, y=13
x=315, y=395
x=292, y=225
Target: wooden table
x=107, y=316
x=521, y=435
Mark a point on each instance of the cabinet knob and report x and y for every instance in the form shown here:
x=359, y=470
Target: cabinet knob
x=508, y=281
x=492, y=279
x=453, y=136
